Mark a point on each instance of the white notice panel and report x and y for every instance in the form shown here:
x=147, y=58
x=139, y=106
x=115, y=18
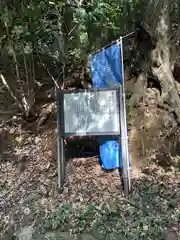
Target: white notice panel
x=91, y=113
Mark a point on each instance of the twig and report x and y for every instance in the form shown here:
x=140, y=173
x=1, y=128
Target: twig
x=52, y=78
x=63, y=71
x=74, y=28
x=80, y=2
x=11, y=91
x=24, y=100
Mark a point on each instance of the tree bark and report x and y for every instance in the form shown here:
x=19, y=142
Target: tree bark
x=161, y=65
x=137, y=91
x=159, y=52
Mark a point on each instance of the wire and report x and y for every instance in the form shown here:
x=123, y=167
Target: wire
x=108, y=45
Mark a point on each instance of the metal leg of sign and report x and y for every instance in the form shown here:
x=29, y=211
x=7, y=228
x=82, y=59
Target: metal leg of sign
x=125, y=156
x=60, y=144
x=124, y=137
x=124, y=171
x=121, y=177
x=62, y=166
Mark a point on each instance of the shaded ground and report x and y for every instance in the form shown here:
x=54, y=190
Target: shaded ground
x=92, y=200
x=90, y=196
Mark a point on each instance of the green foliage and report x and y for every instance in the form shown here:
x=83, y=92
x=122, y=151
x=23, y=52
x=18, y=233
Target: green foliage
x=144, y=217
x=85, y=217
x=50, y=27
x=59, y=220
x=64, y=30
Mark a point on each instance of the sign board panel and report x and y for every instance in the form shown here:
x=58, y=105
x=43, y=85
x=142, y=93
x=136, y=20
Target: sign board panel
x=94, y=112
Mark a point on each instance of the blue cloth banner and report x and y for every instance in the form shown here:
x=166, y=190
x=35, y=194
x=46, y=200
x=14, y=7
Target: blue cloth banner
x=106, y=67
x=106, y=71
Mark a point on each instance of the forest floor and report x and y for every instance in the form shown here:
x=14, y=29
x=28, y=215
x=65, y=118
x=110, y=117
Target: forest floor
x=91, y=204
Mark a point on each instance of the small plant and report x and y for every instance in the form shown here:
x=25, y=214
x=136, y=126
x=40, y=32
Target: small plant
x=85, y=218
x=58, y=220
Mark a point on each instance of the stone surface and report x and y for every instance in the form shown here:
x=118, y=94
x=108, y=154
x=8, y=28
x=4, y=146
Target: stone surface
x=26, y=233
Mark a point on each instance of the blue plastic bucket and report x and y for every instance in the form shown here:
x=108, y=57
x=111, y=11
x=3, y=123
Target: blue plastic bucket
x=110, y=152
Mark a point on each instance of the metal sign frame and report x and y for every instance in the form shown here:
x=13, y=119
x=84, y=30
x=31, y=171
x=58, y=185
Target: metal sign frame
x=61, y=136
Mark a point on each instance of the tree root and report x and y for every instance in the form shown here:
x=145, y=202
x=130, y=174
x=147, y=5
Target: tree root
x=45, y=114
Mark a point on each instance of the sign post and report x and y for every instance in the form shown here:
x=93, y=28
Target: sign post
x=61, y=170
x=124, y=134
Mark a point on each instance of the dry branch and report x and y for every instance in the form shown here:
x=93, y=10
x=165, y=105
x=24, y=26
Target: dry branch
x=12, y=92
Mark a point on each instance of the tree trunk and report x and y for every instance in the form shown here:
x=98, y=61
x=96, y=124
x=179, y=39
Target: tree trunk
x=160, y=57
x=137, y=91
x=30, y=112
x=25, y=106
x=161, y=65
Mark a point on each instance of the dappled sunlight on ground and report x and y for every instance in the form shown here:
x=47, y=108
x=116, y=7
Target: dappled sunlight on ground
x=28, y=180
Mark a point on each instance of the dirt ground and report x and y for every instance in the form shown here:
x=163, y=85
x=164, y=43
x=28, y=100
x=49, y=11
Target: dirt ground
x=28, y=170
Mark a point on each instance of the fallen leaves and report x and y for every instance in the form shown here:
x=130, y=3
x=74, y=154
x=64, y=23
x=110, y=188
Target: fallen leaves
x=91, y=200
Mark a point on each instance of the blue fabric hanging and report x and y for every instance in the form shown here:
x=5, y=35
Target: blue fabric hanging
x=106, y=71
x=106, y=67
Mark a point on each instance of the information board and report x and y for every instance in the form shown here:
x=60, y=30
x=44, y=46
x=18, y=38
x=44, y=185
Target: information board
x=94, y=112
